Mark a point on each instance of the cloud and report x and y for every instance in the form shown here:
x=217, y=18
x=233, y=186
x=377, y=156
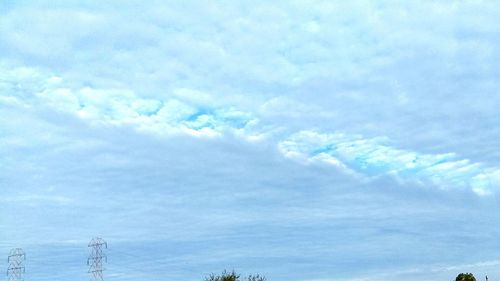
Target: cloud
x=168, y=128
x=194, y=112
x=188, y=113
x=32, y=199
x=374, y=157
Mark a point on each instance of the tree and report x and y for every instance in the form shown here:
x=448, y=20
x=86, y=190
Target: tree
x=465, y=277
x=232, y=276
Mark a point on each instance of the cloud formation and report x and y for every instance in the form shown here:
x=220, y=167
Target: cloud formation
x=189, y=111
x=311, y=137
x=374, y=157
x=196, y=113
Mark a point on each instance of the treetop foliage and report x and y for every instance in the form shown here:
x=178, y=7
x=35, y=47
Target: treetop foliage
x=232, y=276
x=465, y=277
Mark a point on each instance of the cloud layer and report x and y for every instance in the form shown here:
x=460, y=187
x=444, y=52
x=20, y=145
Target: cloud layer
x=197, y=113
x=374, y=157
x=304, y=140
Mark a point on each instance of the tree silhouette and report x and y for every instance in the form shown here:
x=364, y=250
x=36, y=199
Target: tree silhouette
x=232, y=276
x=465, y=277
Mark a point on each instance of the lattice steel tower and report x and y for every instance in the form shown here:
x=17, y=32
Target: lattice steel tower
x=16, y=269
x=96, y=258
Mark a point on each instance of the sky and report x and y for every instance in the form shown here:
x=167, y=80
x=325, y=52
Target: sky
x=301, y=140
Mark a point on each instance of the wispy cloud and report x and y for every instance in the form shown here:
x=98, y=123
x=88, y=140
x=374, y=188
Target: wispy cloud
x=170, y=130
x=375, y=157
x=189, y=111
x=195, y=113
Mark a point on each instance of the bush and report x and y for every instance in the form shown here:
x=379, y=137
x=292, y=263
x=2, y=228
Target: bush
x=465, y=277
x=232, y=276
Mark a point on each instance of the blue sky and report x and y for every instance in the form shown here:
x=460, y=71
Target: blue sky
x=303, y=140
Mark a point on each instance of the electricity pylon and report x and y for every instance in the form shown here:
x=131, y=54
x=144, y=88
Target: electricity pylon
x=96, y=258
x=16, y=269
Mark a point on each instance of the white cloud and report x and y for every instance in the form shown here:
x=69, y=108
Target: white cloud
x=99, y=101
x=195, y=113
x=374, y=157
x=191, y=112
